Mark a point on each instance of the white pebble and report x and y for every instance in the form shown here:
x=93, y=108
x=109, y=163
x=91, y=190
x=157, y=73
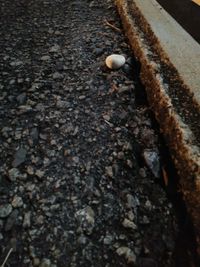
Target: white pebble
x=115, y=61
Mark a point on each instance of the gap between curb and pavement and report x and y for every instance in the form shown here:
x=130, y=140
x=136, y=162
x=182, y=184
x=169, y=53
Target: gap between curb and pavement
x=170, y=67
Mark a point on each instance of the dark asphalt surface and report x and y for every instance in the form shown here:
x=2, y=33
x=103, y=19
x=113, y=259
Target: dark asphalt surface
x=80, y=161
x=186, y=12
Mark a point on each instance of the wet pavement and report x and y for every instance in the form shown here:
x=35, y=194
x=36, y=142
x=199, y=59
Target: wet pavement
x=186, y=13
x=80, y=164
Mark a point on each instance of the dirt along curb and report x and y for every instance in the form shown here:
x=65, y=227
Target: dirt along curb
x=169, y=70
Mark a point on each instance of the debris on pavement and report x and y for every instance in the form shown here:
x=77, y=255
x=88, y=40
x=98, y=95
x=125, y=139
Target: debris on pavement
x=115, y=61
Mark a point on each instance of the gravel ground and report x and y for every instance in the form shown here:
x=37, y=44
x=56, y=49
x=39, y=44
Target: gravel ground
x=80, y=164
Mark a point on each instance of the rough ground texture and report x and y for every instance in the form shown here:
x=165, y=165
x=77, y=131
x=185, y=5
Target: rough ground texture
x=175, y=108
x=79, y=156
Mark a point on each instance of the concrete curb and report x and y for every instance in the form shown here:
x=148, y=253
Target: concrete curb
x=172, y=90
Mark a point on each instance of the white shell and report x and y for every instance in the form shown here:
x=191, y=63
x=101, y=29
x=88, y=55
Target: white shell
x=115, y=61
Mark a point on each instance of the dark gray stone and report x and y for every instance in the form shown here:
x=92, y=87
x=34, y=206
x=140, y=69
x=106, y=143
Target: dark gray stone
x=5, y=210
x=21, y=98
x=13, y=174
x=98, y=51
x=20, y=157
x=34, y=134
x=11, y=220
x=153, y=161
x=127, y=69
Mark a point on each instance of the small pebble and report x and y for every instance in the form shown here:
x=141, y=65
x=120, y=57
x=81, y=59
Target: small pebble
x=17, y=202
x=115, y=61
x=5, y=210
x=127, y=253
x=128, y=224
